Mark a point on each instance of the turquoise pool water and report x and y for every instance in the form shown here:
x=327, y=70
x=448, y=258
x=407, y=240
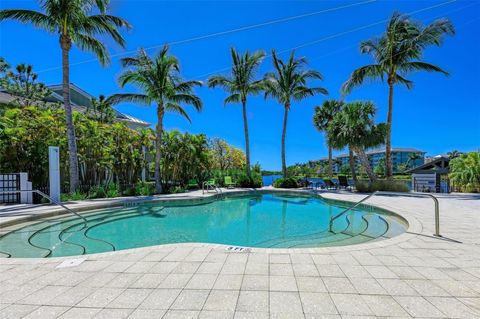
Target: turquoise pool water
x=263, y=220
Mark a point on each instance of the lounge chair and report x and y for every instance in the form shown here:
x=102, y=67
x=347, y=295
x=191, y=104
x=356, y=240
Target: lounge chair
x=228, y=182
x=209, y=185
x=329, y=184
x=192, y=184
x=343, y=182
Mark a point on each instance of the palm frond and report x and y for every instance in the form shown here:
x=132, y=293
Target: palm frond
x=129, y=97
x=89, y=43
x=372, y=71
x=36, y=18
x=420, y=66
x=233, y=98
x=176, y=108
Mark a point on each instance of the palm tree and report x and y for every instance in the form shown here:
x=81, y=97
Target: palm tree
x=160, y=82
x=354, y=127
x=72, y=22
x=397, y=53
x=453, y=154
x=240, y=84
x=412, y=157
x=101, y=110
x=288, y=84
x=322, y=118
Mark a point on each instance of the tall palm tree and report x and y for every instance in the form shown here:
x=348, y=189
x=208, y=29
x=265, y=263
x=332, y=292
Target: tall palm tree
x=160, y=82
x=397, y=53
x=240, y=84
x=322, y=118
x=354, y=127
x=73, y=22
x=288, y=83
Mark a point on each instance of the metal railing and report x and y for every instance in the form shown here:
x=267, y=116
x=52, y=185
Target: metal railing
x=435, y=200
x=50, y=199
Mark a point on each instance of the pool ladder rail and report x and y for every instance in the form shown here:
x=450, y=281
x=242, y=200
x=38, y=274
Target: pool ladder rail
x=50, y=199
x=206, y=186
x=435, y=200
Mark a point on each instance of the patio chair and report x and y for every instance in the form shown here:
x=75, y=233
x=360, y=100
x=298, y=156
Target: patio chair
x=228, y=182
x=329, y=184
x=192, y=184
x=343, y=182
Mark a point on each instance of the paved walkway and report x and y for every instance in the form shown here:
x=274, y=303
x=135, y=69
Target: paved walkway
x=412, y=275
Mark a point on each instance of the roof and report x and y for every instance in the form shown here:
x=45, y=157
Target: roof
x=439, y=165
x=82, y=108
x=6, y=98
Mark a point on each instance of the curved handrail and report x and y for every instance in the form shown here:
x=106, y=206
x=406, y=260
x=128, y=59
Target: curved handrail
x=435, y=200
x=50, y=199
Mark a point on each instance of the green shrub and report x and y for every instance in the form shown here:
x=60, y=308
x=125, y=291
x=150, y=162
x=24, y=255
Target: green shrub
x=73, y=196
x=112, y=190
x=97, y=192
x=177, y=189
x=289, y=182
x=144, y=188
x=381, y=185
x=254, y=181
x=129, y=191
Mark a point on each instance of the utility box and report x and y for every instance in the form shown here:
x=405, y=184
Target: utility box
x=54, y=172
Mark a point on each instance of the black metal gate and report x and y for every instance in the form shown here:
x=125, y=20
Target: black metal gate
x=9, y=182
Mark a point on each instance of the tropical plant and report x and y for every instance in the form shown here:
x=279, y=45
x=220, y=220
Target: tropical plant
x=160, y=82
x=322, y=118
x=107, y=152
x=240, y=84
x=354, y=127
x=73, y=22
x=397, y=53
x=453, y=154
x=225, y=156
x=465, y=172
x=22, y=84
x=101, y=110
x=287, y=84
x=185, y=157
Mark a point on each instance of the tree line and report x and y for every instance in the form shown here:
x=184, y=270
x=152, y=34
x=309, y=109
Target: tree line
x=396, y=53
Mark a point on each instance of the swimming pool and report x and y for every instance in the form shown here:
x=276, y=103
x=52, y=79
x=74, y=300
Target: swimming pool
x=266, y=220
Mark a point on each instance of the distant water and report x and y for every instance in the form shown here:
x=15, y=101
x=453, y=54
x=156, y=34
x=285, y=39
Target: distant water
x=268, y=180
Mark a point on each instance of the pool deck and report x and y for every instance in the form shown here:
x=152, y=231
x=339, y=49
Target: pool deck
x=412, y=275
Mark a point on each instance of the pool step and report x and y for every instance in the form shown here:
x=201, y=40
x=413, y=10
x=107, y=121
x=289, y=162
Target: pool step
x=38, y=240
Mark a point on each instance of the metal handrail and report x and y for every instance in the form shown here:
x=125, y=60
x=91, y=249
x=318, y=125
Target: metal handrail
x=435, y=200
x=47, y=197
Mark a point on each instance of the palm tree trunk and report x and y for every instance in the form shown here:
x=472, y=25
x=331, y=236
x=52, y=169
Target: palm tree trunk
x=284, y=134
x=66, y=44
x=365, y=162
x=330, y=161
x=351, y=160
x=245, y=126
x=388, y=139
x=158, y=147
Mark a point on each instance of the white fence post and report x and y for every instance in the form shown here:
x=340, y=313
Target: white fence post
x=54, y=172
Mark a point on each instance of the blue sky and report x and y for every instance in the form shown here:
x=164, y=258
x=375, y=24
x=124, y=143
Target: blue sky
x=439, y=114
